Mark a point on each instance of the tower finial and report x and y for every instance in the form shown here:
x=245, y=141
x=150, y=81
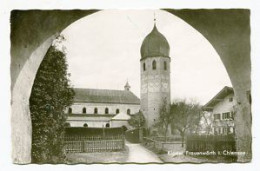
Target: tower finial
x=154, y=18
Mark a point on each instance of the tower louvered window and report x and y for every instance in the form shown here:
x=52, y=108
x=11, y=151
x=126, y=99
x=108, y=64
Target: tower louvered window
x=154, y=65
x=165, y=65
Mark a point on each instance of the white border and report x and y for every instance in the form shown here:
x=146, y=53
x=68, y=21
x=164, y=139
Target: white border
x=5, y=127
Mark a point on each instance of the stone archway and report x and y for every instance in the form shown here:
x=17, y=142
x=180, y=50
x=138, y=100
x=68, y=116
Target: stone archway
x=32, y=33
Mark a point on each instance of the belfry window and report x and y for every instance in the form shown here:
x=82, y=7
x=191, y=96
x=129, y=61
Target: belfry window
x=144, y=67
x=106, y=111
x=70, y=110
x=84, y=110
x=128, y=111
x=154, y=65
x=117, y=111
x=95, y=110
x=165, y=65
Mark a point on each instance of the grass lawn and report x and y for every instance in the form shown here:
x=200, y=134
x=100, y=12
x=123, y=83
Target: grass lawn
x=98, y=157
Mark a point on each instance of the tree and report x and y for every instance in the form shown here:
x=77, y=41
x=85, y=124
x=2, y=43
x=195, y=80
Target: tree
x=137, y=120
x=206, y=122
x=165, y=119
x=51, y=94
x=185, y=117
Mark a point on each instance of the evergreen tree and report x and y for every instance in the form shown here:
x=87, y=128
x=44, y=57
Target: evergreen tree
x=51, y=94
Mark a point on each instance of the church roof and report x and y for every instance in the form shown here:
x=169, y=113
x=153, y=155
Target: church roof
x=121, y=117
x=105, y=96
x=154, y=45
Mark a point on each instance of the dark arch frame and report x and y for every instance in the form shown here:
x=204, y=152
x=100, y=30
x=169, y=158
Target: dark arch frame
x=235, y=53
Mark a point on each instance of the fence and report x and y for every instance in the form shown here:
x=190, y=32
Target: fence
x=213, y=143
x=93, y=144
x=158, y=143
x=196, y=143
x=86, y=140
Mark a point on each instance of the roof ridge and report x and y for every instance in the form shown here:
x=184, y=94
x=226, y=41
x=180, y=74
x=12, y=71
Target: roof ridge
x=99, y=89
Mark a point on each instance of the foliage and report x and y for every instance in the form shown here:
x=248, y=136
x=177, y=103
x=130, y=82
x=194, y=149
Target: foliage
x=51, y=94
x=165, y=118
x=185, y=117
x=137, y=120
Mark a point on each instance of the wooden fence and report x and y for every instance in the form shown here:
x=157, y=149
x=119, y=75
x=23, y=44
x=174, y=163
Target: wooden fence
x=83, y=144
x=195, y=143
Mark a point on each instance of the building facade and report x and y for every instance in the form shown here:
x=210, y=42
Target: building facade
x=155, y=75
x=98, y=107
x=221, y=108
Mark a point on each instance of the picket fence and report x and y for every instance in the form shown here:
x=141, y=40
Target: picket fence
x=81, y=144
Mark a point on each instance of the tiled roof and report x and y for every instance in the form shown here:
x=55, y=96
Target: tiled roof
x=105, y=96
x=220, y=96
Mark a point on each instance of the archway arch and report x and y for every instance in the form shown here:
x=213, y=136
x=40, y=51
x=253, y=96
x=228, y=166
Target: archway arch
x=27, y=52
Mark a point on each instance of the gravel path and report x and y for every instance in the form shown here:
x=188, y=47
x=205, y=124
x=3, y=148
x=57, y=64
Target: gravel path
x=139, y=154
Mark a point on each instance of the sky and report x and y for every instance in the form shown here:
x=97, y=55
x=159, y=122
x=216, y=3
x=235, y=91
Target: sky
x=103, y=51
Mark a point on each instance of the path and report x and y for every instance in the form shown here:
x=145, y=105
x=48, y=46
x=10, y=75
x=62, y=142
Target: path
x=139, y=154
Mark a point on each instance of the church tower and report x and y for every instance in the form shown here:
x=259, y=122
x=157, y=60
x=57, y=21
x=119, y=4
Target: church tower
x=155, y=75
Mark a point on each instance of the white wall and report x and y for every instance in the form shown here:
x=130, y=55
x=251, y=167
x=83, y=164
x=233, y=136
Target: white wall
x=77, y=108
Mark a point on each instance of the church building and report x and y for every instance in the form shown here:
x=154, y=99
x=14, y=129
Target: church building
x=102, y=108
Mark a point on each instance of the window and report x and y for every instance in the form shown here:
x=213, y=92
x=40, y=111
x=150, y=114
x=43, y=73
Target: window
x=230, y=99
x=95, y=111
x=248, y=93
x=216, y=116
x=70, y=110
x=85, y=125
x=227, y=115
x=144, y=67
x=117, y=111
x=107, y=125
x=128, y=111
x=106, y=111
x=84, y=110
x=165, y=65
x=154, y=65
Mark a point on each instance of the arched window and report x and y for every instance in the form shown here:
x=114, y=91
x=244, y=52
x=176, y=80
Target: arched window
x=154, y=65
x=107, y=125
x=128, y=111
x=84, y=110
x=70, y=110
x=117, y=111
x=95, y=110
x=106, y=111
x=85, y=125
x=165, y=65
x=144, y=67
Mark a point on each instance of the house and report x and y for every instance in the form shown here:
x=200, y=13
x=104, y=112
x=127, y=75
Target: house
x=221, y=109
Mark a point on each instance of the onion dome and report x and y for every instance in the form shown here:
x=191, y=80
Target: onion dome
x=155, y=45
